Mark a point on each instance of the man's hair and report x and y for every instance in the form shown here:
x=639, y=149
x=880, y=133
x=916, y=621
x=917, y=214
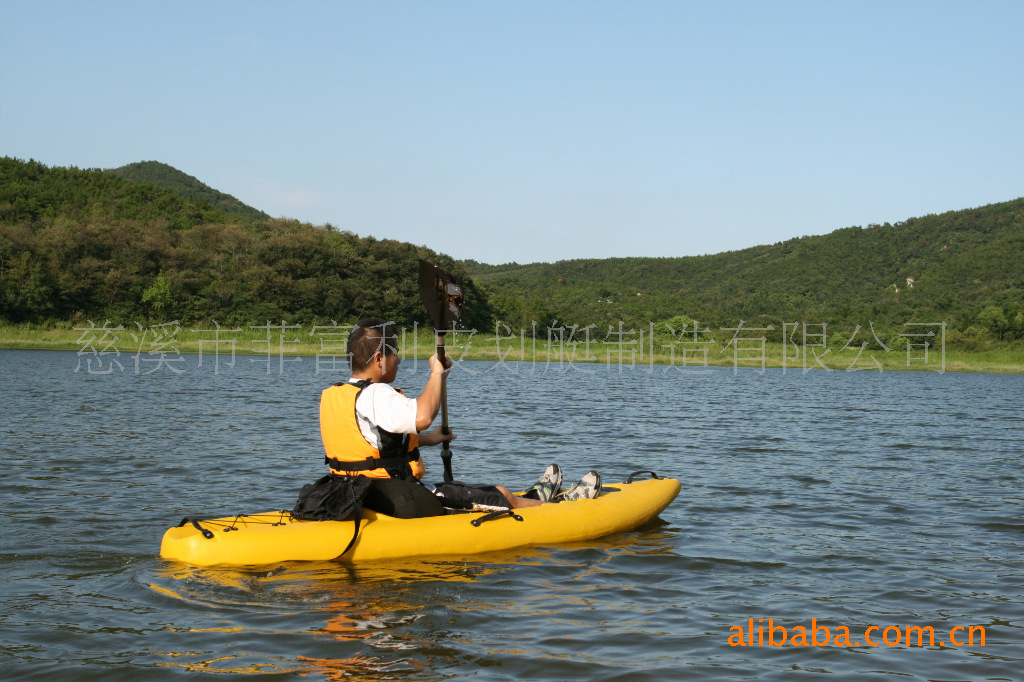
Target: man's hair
x=368, y=337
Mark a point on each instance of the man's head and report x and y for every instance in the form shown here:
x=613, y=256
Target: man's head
x=369, y=338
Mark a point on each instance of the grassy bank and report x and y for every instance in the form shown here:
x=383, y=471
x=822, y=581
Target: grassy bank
x=629, y=348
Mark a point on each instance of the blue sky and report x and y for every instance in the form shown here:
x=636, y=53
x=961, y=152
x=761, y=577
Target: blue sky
x=536, y=131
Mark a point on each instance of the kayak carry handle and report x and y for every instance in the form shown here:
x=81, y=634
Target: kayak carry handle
x=495, y=515
x=207, y=533
x=637, y=473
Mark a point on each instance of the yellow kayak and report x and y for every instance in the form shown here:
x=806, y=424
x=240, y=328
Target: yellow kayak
x=271, y=537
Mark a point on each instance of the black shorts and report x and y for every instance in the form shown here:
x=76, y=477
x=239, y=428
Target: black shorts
x=401, y=499
x=462, y=493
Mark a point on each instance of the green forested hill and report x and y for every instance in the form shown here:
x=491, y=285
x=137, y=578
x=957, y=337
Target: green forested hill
x=168, y=177
x=86, y=244
x=964, y=267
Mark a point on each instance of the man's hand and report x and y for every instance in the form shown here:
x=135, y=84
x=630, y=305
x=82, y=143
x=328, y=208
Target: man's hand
x=435, y=437
x=435, y=368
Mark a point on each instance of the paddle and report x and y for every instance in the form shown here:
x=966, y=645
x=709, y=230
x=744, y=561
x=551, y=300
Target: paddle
x=442, y=297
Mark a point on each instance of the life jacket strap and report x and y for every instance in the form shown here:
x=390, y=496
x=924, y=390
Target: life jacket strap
x=371, y=463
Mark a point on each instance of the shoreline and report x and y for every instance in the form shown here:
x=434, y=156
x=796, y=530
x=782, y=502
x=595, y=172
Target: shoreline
x=329, y=346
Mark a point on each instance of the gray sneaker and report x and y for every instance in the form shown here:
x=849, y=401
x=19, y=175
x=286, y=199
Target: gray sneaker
x=547, y=485
x=587, y=488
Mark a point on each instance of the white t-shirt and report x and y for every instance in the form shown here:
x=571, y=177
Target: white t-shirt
x=381, y=406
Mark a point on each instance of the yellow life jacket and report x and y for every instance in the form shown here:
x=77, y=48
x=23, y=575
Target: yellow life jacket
x=347, y=451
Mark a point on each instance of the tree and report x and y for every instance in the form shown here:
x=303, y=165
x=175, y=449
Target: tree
x=158, y=294
x=994, y=320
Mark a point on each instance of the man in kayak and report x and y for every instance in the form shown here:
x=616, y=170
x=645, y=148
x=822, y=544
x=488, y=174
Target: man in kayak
x=371, y=428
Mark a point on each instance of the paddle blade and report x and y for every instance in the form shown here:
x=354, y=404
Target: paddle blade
x=441, y=295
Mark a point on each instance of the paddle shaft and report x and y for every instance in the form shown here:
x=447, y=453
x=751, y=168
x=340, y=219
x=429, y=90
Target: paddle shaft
x=444, y=386
x=446, y=452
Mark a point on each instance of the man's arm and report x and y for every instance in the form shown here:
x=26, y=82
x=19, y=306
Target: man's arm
x=429, y=401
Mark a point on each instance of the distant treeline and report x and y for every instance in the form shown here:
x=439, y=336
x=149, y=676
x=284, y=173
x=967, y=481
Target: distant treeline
x=87, y=244
x=965, y=268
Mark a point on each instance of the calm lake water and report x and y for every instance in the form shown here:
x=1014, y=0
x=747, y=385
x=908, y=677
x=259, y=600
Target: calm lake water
x=838, y=500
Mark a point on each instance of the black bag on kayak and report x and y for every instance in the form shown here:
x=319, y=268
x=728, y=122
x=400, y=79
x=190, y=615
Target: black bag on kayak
x=332, y=498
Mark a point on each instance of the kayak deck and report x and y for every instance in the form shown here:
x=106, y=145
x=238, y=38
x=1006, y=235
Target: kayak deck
x=270, y=537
